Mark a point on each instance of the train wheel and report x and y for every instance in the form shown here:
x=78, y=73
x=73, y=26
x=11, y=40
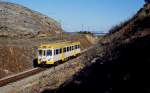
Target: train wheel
x=65, y=59
x=55, y=63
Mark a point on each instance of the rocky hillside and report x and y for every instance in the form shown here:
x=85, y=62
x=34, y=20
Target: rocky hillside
x=19, y=21
x=123, y=61
x=22, y=31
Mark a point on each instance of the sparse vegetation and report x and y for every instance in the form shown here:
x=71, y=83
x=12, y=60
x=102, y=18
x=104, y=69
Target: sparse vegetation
x=123, y=63
x=118, y=27
x=19, y=21
x=86, y=32
x=22, y=32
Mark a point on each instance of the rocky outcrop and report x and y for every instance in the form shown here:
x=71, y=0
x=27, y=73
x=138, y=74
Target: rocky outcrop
x=22, y=31
x=17, y=20
x=123, y=62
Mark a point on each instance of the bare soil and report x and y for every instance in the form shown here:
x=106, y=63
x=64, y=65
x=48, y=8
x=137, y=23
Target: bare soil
x=123, y=64
x=17, y=55
x=22, y=30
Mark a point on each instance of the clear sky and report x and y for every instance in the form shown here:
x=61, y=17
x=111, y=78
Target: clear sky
x=75, y=15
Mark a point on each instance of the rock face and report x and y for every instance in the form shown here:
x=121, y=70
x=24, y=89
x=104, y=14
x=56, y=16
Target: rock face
x=123, y=61
x=20, y=30
x=16, y=20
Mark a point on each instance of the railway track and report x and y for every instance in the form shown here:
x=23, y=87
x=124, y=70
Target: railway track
x=10, y=79
x=16, y=77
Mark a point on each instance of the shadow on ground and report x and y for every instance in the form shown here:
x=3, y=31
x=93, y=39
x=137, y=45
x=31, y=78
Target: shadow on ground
x=128, y=73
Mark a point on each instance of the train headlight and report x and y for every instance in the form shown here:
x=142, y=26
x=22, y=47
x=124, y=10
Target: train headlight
x=40, y=59
x=49, y=59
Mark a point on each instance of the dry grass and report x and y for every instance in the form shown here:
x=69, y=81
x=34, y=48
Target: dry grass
x=17, y=54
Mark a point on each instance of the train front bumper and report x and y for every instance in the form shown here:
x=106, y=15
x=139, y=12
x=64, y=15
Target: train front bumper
x=46, y=62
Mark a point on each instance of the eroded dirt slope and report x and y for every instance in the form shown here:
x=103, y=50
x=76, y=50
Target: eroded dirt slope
x=123, y=64
x=21, y=31
x=22, y=22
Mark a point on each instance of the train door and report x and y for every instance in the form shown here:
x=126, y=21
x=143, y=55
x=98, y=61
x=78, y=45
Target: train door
x=49, y=55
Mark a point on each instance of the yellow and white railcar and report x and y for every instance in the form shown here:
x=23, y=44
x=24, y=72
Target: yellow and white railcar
x=51, y=53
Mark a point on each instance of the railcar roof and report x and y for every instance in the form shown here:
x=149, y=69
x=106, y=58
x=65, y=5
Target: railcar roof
x=58, y=45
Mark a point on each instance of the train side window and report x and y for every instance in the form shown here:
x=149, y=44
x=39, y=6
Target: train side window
x=44, y=52
x=49, y=53
x=70, y=48
x=57, y=51
x=64, y=49
x=40, y=52
x=67, y=49
x=76, y=46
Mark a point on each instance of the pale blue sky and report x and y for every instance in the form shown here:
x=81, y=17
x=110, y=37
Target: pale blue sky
x=95, y=15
